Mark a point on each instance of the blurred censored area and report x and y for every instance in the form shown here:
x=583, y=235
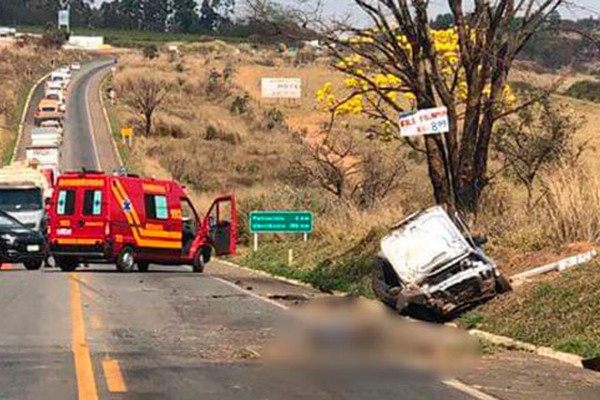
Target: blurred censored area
x=348, y=332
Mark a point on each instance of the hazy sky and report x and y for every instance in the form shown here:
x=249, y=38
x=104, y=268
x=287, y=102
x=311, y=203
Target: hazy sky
x=583, y=9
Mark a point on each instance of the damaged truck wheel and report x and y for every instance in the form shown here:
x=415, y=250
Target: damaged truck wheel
x=502, y=285
x=385, y=282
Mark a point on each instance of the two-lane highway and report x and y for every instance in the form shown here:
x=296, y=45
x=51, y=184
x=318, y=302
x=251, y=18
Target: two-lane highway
x=80, y=148
x=87, y=142
x=174, y=334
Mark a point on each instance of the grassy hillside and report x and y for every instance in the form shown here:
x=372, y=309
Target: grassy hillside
x=559, y=311
x=201, y=140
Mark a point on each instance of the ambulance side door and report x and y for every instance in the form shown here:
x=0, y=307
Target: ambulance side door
x=92, y=213
x=222, y=222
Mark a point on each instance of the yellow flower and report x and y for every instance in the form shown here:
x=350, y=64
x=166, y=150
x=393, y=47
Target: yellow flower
x=409, y=96
x=351, y=82
x=324, y=91
x=353, y=105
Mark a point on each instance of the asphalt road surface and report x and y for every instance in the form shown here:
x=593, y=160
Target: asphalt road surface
x=173, y=334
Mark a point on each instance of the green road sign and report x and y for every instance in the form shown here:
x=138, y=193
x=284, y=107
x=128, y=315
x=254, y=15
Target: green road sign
x=281, y=222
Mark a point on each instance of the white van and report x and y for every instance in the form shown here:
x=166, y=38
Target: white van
x=54, y=85
x=62, y=77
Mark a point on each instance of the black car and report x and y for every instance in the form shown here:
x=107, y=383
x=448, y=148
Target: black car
x=19, y=244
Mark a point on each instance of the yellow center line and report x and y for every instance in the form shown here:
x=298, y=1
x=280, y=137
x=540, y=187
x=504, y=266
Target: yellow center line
x=113, y=375
x=86, y=383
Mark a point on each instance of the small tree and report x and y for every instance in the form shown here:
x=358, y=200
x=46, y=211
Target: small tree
x=352, y=173
x=535, y=138
x=145, y=95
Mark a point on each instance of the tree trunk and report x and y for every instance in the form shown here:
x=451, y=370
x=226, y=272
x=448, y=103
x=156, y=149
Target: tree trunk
x=148, y=127
x=437, y=170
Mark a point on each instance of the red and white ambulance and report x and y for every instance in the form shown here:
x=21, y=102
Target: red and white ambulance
x=127, y=220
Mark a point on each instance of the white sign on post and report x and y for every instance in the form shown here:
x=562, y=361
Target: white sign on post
x=424, y=122
x=281, y=88
x=63, y=18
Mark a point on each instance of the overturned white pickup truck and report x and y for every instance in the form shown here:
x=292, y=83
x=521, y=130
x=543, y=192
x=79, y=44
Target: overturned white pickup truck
x=429, y=265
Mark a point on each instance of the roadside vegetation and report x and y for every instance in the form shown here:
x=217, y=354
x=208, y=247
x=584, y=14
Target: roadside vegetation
x=21, y=65
x=559, y=312
x=213, y=132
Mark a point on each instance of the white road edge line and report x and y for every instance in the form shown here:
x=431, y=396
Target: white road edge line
x=251, y=294
x=87, y=107
x=471, y=391
x=107, y=122
x=24, y=116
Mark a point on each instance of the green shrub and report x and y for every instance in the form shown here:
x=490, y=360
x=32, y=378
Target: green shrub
x=240, y=105
x=274, y=120
x=150, y=51
x=214, y=133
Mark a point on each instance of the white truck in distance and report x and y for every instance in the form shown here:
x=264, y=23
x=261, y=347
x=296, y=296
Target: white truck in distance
x=46, y=137
x=23, y=190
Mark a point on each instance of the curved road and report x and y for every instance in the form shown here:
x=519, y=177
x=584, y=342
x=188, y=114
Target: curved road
x=87, y=141
x=172, y=334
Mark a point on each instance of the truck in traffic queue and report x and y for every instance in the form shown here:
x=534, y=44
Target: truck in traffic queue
x=47, y=157
x=46, y=136
x=128, y=220
x=47, y=110
x=24, y=188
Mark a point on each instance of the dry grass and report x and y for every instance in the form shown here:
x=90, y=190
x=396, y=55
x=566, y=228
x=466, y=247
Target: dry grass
x=197, y=139
x=572, y=207
x=243, y=158
x=20, y=67
x=561, y=312
x=303, y=114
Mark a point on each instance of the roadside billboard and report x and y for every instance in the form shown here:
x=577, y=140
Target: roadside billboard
x=281, y=88
x=87, y=42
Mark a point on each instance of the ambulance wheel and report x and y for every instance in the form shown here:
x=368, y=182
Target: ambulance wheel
x=143, y=266
x=33, y=265
x=198, y=264
x=66, y=265
x=126, y=260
